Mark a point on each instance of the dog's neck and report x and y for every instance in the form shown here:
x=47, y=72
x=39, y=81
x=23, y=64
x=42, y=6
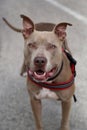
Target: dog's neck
x=65, y=72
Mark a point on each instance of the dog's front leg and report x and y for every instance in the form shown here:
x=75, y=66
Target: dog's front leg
x=36, y=108
x=65, y=115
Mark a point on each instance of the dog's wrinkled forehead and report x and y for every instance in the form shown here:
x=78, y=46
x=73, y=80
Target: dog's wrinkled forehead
x=43, y=38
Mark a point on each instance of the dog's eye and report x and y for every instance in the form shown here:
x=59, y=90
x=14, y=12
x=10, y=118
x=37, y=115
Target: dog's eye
x=51, y=46
x=32, y=45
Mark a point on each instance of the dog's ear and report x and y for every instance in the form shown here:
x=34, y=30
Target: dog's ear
x=28, y=26
x=60, y=30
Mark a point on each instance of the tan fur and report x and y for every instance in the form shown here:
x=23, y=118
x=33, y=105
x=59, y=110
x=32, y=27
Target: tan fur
x=37, y=43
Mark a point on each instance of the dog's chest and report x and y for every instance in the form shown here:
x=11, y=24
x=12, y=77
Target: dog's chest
x=46, y=93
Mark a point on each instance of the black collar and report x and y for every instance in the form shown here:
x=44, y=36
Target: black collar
x=57, y=73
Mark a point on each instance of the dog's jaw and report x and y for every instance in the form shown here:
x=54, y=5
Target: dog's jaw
x=42, y=76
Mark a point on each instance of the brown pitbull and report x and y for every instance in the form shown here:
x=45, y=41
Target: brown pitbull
x=39, y=27
x=48, y=69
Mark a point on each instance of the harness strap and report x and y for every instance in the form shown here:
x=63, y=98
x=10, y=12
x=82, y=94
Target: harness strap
x=52, y=86
x=74, y=97
x=73, y=62
x=59, y=86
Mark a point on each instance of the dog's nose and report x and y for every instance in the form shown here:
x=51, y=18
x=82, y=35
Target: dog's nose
x=40, y=61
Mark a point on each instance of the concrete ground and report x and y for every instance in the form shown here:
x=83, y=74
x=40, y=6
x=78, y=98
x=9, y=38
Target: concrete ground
x=15, y=109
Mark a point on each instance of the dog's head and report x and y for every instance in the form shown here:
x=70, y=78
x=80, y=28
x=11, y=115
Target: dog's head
x=42, y=49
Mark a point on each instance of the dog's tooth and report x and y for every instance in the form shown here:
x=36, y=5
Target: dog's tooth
x=44, y=74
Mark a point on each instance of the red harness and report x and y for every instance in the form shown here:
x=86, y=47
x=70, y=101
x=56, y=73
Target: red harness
x=53, y=86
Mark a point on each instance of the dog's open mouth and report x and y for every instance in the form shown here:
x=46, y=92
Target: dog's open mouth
x=41, y=75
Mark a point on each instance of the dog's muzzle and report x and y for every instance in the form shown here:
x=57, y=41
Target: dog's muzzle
x=40, y=75
x=39, y=72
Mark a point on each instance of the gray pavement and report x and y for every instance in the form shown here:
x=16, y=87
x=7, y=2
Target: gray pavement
x=15, y=109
